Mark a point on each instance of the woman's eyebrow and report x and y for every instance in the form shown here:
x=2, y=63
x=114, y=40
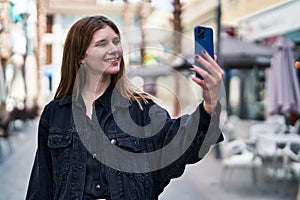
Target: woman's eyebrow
x=100, y=41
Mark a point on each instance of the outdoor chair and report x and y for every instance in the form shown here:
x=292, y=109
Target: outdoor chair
x=266, y=149
x=291, y=162
x=236, y=154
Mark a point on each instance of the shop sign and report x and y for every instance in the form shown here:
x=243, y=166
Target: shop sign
x=275, y=21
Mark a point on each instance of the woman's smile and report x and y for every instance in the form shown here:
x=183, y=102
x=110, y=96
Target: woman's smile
x=113, y=61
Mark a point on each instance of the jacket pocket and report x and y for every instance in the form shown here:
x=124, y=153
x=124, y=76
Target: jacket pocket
x=60, y=145
x=132, y=144
x=56, y=140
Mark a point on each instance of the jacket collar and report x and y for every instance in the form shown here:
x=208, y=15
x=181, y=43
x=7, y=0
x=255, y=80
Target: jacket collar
x=117, y=99
x=65, y=100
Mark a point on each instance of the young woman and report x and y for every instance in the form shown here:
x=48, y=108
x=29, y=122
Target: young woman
x=100, y=138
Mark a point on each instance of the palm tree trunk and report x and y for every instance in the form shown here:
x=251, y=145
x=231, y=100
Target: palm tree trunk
x=41, y=48
x=177, y=49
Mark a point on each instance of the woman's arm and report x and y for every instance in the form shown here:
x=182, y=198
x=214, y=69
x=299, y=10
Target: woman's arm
x=191, y=137
x=207, y=129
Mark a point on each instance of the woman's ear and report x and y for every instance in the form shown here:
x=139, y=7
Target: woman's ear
x=82, y=59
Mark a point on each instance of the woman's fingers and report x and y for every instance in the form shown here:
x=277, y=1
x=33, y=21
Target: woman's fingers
x=211, y=82
x=205, y=75
x=198, y=81
x=210, y=72
x=208, y=62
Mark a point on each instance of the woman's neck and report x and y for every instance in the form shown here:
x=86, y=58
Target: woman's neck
x=95, y=86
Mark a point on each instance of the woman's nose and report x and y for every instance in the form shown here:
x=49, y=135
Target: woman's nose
x=113, y=47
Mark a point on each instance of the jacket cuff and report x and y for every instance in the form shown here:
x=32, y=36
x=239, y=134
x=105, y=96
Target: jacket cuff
x=205, y=118
x=211, y=125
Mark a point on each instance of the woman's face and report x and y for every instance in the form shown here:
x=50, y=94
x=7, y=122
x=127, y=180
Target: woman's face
x=104, y=53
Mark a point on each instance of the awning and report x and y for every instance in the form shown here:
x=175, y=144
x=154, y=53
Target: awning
x=240, y=54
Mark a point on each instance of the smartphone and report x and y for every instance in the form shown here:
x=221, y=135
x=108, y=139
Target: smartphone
x=203, y=41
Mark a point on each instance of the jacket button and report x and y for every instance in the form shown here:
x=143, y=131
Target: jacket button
x=98, y=187
x=113, y=141
x=94, y=156
x=118, y=172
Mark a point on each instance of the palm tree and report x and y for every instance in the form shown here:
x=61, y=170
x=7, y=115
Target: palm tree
x=142, y=17
x=177, y=25
x=176, y=48
x=41, y=30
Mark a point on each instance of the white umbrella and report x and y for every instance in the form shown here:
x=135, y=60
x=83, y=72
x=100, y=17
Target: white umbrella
x=282, y=88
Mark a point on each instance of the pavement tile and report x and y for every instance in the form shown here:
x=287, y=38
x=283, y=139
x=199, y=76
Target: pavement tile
x=200, y=181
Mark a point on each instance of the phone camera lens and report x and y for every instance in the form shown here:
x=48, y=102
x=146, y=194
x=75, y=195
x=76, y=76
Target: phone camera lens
x=201, y=33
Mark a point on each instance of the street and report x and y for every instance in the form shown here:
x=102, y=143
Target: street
x=200, y=181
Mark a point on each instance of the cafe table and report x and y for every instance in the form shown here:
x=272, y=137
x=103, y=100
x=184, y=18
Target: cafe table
x=280, y=140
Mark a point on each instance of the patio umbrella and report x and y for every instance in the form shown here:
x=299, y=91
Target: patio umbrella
x=282, y=88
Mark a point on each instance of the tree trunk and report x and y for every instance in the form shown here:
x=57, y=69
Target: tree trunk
x=41, y=48
x=177, y=49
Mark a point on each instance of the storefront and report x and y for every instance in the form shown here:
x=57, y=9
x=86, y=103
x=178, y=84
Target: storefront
x=277, y=20
x=264, y=27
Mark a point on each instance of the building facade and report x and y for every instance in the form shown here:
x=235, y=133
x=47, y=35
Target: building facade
x=252, y=21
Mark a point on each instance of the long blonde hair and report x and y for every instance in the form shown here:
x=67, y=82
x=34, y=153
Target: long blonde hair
x=76, y=44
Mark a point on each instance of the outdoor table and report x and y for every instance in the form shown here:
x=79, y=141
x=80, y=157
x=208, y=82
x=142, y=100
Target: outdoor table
x=280, y=140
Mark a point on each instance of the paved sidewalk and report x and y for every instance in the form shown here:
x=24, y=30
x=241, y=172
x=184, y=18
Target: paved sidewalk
x=15, y=168
x=200, y=181
x=203, y=181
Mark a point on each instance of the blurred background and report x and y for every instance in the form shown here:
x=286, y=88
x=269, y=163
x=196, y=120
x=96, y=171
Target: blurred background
x=257, y=44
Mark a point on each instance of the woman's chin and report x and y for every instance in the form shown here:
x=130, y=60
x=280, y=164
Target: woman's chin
x=113, y=70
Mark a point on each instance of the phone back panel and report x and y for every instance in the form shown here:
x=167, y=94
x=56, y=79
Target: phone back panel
x=204, y=40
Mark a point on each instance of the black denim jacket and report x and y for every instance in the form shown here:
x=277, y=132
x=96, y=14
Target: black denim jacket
x=60, y=162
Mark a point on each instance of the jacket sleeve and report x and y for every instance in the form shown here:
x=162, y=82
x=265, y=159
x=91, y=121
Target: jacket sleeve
x=40, y=183
x=196, y=134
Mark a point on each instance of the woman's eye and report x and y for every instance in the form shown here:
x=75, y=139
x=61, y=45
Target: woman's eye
x=104, y=43
x=116, y=41
x=101, y=43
